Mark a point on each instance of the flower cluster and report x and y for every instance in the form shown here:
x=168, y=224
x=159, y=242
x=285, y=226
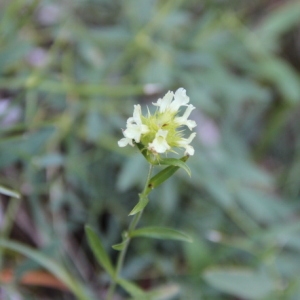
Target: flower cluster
x=162, y=131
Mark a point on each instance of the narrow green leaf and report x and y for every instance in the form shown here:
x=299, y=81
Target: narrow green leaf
x=9, y=192
x=53, y=267
x=163, y=175
x=99, y=251
x=120, y=246
x=160, y=233
x=176, y=162
x=132, y=289
x=140, y=205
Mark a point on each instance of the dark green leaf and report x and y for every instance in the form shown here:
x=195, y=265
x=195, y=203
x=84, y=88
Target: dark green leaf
x=140, y=206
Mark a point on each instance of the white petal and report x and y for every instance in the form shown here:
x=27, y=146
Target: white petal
x=124, y=142
x=136, y=118
x=183, y=119
x=134, y=131
x=184, y=143
x=190, y=124
x=137, y=114
x=191, y=137
x=165, y=102
x=180, y=99
x=189, y=150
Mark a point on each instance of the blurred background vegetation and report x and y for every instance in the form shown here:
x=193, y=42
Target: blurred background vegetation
x=70, y=72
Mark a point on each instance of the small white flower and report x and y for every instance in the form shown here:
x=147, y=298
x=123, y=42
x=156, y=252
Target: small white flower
x=183, y=120
x=159, y=144
x=184, y=143
x=134, y=131
x=136, y=118
x=167, y=102
x=135, y=128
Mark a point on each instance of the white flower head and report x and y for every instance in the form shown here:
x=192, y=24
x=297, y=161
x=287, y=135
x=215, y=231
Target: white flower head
x=162, y=131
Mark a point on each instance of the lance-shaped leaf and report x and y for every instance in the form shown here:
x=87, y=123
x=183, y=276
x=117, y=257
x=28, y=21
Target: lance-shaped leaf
x=140, y=205
x=99, y=251
x=177, y=163
x=9, y=192
x=163, y=175
x=160, y=233
x=120, y=246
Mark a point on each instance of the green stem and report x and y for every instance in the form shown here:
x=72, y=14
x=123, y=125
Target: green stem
x=122, y=254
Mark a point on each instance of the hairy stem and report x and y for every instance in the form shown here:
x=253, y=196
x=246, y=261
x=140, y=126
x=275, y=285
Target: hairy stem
x=122, y=253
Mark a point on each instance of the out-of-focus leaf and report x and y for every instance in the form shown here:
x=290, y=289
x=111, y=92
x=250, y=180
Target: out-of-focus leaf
x=48, y=264
x=134, y=172
x=160, y=233
x=243, y=283
x=9, y=192
x=51, y=159
x=132, y=289
x=280, y=20
x=16, y=148
x=285, y=79
x=165, y=292
x=99, y=251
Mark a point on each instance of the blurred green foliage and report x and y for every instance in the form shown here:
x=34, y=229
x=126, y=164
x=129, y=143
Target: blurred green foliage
x=70, y=72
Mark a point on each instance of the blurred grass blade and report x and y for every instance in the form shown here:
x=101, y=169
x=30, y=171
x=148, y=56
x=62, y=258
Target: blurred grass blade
x=165, y=292
x=50, y=265
x=9, y=192
x=132, y=289
x=241, y=282
x=99, y=251
x=140, y=205
x=161, y=233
